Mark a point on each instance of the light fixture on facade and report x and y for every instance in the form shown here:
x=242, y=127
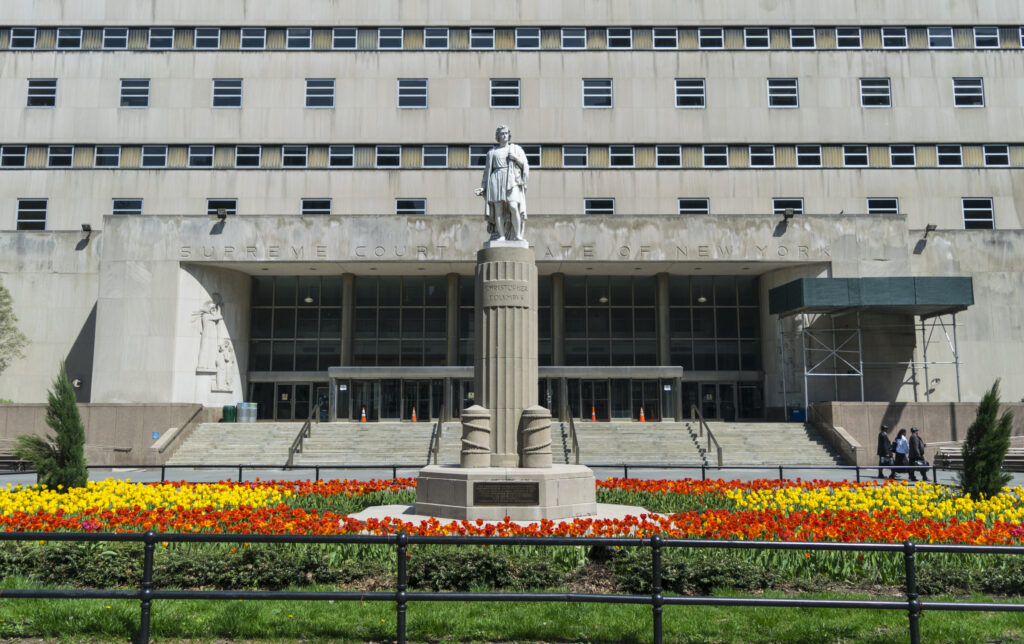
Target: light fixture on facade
x=930, y=228
x=222, y=214
x=87, y=229
x=788, y=214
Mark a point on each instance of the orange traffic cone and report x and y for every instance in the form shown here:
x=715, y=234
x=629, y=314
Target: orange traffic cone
x=362, y=417
x=642, y=420
x=593, y=414
x=414, y=414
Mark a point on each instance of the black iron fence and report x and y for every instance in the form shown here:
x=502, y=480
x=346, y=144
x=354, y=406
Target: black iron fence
x=858, y=471
x=149, y=591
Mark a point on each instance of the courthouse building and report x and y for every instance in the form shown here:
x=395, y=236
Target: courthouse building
x=740, y=205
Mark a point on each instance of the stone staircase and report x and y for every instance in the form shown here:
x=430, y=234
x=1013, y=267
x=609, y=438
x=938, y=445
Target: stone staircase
x=381, y=443
x=237, y=443
x=635, y=443
x=768, y=444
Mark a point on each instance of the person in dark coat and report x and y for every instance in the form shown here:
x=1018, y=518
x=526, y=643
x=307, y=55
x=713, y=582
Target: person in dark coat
x=900, y=449
x=916, y=453
x=884, y=447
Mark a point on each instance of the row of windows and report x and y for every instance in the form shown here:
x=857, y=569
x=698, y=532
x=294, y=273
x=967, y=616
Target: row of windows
x=978, y=212
x=254, y=156
x=523, y=38
x=597, y=93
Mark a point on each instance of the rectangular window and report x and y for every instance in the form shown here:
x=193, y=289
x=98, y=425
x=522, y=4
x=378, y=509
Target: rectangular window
x=848, y=38
x=299, y=38
x=620, y=156
x=762, y=156
x=478, y=155
x=161, y=37
x=410, y=206
x=504, y=92
x=968, y=92
x=666, y=38
x=801, y=38
x=598, y=206
x=986, y=37
x=716, y=156
x=481, y=38
x=574, y=156
x=978, y=213
x=227, y=92
x=389, y=156
x=940, y=37
x=532, y=155
x=412, y=92
x=795, y=206
x=690, y=92
x=59, y=156
x=200, y=156
x=756, y=38
x=883, y=206
x=1022, y=36
x=214, y=206
x=574, y=38
x=390, y=37
x=527, y=38
x=134, y=92
x=783, y=92
x=949, y=155
x=711, y=38
x=154, y=156
x=69, y=38
x=808, y=156
x=344, y=38
x=855, y=156
x=31, y=214
x=902, y=155
x=13, y=156
x=207, y=38
x=668, y=156
x=435, y=156
x=435, y=38
x=23, y=38
x=294, y=156
x=875, y=92
x=316, y=206
x=620, y=37
x=42, y=92
x=107, y=156
x=115, y=38
x=597, y=92
x=248, y=156
x=341, y=156
x=894, y=37
x=997, y=155
x=694, y=207
x=254, y=38
x=126, y=207
x=320, y=92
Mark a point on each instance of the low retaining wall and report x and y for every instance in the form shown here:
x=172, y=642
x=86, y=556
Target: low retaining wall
x=938, y=422
x=115, y=434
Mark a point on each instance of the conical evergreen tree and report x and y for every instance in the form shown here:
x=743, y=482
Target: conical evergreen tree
x=988, y=438
x=60, y=459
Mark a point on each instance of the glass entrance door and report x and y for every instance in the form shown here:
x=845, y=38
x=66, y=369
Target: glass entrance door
x=647, y=394
x=364, y=399
x=594, y=399
x=391, y=399
x=718, y=400
x=709, y=400
x=416, y=396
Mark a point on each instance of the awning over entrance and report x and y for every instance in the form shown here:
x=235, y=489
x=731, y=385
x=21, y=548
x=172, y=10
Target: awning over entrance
x=921, y=296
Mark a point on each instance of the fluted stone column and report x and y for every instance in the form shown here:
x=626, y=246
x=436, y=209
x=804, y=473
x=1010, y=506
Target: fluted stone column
x=506, y=344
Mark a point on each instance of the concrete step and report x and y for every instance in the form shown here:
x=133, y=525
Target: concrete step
x=770, y=444
x=237, y=443
x=639, y=443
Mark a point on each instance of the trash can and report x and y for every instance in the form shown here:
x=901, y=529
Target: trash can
x=797, y=414
x=228, y=414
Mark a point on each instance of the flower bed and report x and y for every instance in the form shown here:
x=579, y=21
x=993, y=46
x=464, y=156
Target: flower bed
x=764, y=509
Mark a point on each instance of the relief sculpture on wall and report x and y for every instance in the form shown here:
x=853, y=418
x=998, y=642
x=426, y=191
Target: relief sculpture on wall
x=216, y=353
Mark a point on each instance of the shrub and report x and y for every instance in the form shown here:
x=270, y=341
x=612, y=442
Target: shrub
x=988, y=439
x=697, y=571
x=59, y=459
x=465, y=568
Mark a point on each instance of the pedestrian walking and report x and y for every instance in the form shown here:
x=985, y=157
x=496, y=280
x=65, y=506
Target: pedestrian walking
x=900, y=449
x=884, y=449
x=916, y=454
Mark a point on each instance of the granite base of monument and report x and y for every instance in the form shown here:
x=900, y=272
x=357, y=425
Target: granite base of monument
x=493, y=493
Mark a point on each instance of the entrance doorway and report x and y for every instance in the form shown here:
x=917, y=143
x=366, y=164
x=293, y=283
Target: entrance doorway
x=291, y=401
x=594, y=399
x=718, y=400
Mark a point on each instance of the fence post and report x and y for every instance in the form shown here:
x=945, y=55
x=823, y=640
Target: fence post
x=403, y=540
x=147, y=586
x=163, y=473
x=394, y=472
x=703, y=472
x=239, y=473
x=858, y=472
x=317, y=472
x=625, y=471
x=935, y=473
x=781, y=478
x=656, y=597
x=913, y=604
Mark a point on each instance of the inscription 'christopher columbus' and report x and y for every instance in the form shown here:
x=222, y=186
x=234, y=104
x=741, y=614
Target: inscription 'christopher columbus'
x=506, y=293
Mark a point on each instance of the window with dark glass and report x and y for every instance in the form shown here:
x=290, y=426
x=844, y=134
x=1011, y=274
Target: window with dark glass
x=390, y=37
x=902, y=155
x=782, y=204
x=321, y=206
x=23, y=38
x=694, y=206
x=715, y=156
x=343, y=38
x=13, y=156
x=298, y=38
x=295, y=324
x=294, y=156
x=134, y=92
x=997, y=155
x=107, y=156
x=481, y=38
x=435, y=156
x=31, y=214
x=341, y=156
x=254, y=38
x=610, y=320
x=668, y=156
x=214, y=206
x=883, y=206
x=711, y=38
x=59, y=156
x=126, y=207
x=69, y=38
x=714, y=323
x=666, y=38
x=207, y=38
x=115, y=38
x=248, y=156
x=574, y=38
x=435, y=38
x=690, y=92
x=808, y=156
x=400, y=321
x=161, y=37
x=42, y=92
x=978, y=213
x=154, y=156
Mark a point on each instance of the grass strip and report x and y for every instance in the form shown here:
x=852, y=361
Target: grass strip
x=272, y=621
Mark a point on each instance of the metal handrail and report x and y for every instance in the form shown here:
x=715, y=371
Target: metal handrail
x=435, y=438
x=702, y=425
x=566, y=413
x=575, y=441
x=303, y=434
